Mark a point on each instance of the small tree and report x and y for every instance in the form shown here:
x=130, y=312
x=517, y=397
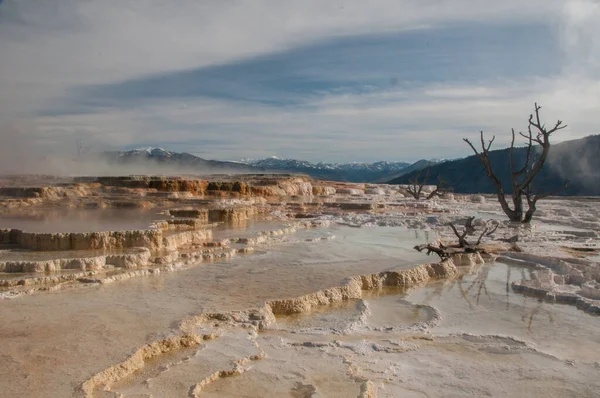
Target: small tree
x=521, y=178
x=416, y=185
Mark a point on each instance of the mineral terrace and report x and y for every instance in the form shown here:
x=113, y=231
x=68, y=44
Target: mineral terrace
x=279, y=285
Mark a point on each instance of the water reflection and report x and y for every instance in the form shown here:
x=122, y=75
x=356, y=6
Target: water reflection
x=422, y=235
x=78, y=219
x=529, y=317
x=482, y=301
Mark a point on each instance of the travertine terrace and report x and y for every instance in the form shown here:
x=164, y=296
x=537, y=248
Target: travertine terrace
x=279, y=285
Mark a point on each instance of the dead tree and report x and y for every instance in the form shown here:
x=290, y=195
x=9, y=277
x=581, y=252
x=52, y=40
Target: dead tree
x=416, y=185
x=463, y=245
x=440, y=189
x=469, y=230
x=521, y=178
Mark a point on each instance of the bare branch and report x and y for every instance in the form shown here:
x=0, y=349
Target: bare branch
x=485, y=148
x=440, y=251
x=535, y=197
x=493, y=230
x=468, y=229
x=528, y=154
x=459, y=236
x=542, y=127
x=440, y=189
x=417, y=185
x=471, y=145
x=486, y=232
x=481, y=236
x=542, y=139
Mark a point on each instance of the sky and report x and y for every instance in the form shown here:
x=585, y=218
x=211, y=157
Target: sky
x=336, y=81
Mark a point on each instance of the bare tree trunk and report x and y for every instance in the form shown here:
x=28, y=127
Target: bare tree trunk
x=416, y=186
x=513, y=215
x=521, y=178
x=517, y=213
x=529, y=213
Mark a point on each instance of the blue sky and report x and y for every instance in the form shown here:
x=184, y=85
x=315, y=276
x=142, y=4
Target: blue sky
x=461, y=54
x=337, y=81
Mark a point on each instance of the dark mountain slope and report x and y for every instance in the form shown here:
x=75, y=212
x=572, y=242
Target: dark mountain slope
x=418, y=165
x=577, y=160
x=349, y=172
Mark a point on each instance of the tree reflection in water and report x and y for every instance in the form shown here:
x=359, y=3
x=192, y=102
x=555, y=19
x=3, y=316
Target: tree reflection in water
x=472, y=285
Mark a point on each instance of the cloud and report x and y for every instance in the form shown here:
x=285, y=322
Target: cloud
x=396, y=124
x=352, y=64
x=51, y=46
x=580, y=37
x=339, y=80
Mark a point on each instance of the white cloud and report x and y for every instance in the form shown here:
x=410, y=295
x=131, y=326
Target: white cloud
x=392, y=125
x=50, y=47
x=581, y=37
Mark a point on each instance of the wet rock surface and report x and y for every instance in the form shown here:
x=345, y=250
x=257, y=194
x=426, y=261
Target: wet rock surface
x=283, y=286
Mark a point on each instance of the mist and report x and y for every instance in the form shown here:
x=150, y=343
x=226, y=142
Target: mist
x=22, y=153
x=577, y=161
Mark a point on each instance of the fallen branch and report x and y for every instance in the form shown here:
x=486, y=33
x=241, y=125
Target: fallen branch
x=463, y=245
x=440, y=251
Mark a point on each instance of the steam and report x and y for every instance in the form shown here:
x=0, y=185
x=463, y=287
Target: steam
x=23, y=152
x=19, y=154
x=580, y=39
x=577, y=161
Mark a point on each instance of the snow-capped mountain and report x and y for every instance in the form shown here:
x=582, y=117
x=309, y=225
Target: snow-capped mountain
x=161, y=159
x=352, y=172
x=278, y=164
x=148, y=152
x=158, y=160
x=284, y=164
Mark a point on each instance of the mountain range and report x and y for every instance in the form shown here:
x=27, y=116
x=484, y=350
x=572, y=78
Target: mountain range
x=163, y=160
x=349, y=172
x=576, y=160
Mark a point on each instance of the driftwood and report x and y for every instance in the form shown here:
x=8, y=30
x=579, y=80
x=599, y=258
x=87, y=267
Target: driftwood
x=463, y=245
x=512, y=239
x=441, y=251
x=521, y=178
x=444, y=251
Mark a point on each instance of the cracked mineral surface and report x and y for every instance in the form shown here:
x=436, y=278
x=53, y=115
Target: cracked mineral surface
x=264, y=285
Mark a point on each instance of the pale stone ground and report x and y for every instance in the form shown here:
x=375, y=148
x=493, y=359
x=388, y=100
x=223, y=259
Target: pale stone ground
x=469, y=335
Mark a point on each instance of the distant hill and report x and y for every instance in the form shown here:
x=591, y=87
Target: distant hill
x=418, y=165
x=349, y=172
x=577, y=160
x=158, y=159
